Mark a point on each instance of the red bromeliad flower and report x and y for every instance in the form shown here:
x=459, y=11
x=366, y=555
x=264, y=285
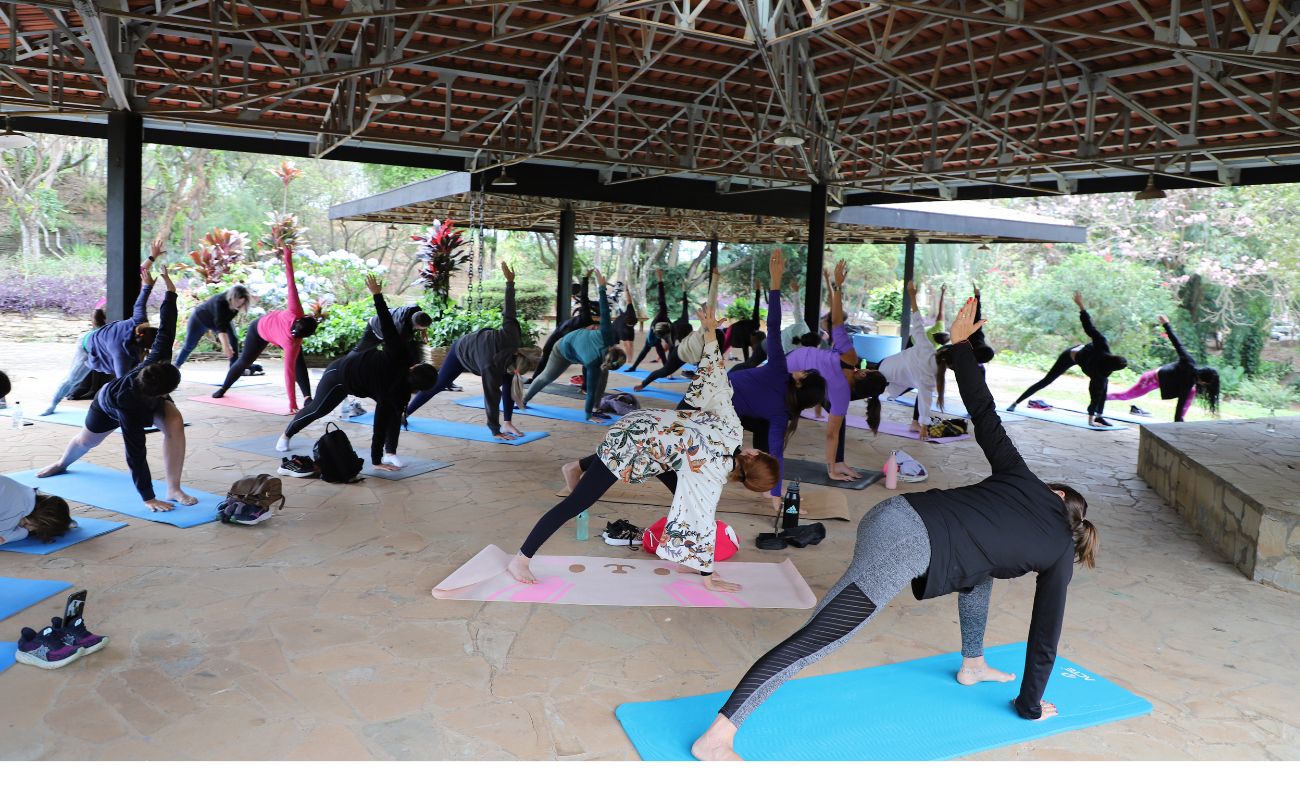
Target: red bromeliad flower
x=286, y=172
x=219, y=251
x=285, y=233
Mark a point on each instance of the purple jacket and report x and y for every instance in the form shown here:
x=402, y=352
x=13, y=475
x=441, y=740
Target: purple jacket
x=760, y=392
x=112, y=348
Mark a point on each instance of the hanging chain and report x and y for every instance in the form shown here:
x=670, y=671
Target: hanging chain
x=480, y=201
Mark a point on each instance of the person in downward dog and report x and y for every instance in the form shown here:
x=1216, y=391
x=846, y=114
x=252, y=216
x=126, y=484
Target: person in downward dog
x=943, y=541
x=388, y=375
x=692, y=452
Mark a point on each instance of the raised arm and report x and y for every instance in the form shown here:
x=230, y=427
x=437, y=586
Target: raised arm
x=606, y=325
x=1044, y=634
x=776, y=270
x=662, y=314
x=710, y=391
x=140, y=313
x=1183, y=355
x=395, y=350
x=993, y=440
x=758, y=298
x=917, y=323
x=295, y=305
x=166, y=337
x=509, y=316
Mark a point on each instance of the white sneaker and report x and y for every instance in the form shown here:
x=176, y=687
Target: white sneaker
x=391, y=460
x=282, y=444
x=909, y=469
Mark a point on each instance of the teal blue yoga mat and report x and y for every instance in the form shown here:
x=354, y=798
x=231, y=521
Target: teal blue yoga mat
x=661, y=394
x=913, y=711
x=113, y=490
x=545, y=412
x=7, y=650
x=642, y=374
x=84, y=528
x=476, y=432
x=76, y=417
x=1065, y=418
x=17, y=594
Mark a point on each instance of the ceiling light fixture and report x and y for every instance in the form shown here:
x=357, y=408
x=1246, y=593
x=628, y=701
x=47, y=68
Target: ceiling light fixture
x=788, y=137
x=984, y=245
x=504, y=179
x=386, y=94
x=1150, y=192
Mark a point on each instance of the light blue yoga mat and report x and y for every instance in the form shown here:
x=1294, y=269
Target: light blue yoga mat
x=545, y=412
x=84, y=528
x=661, y=394
x=17, y=594
x=7, y=650
x=1122, y=416
x=642, y=374
x=113, y=490
x=913, y=711
x=76, y=417
x=476, y=432
x=1065, y=418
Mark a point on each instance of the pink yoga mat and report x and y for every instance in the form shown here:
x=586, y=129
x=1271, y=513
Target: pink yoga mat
x=248, y=402
x=889, y=427
x=646, y=581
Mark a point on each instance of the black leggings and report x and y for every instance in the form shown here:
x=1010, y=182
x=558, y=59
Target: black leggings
x=1096, y=385
x=566, y=327
x=596, y=480
x=650, y=341
x=671, y=365
x=194, y=330
x=254, y=344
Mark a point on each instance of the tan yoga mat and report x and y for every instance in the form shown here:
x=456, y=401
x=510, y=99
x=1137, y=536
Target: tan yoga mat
x=815, y=502
x=646, y=581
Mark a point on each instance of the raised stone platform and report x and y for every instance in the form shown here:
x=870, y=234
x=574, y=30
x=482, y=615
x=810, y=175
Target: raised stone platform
x=1238, y=484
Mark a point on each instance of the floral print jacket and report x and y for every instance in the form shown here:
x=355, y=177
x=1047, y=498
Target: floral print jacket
x=698, y=445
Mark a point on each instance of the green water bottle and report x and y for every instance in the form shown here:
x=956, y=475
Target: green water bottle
x=582, y=526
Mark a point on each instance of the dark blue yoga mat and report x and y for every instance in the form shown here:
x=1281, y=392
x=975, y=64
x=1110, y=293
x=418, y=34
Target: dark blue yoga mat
x=113, y=490
x=7, y=650
x=17, y=594
x=85, y=528
x=545, y=412
x=476, y=432
x=642, y=374
x=913, y=711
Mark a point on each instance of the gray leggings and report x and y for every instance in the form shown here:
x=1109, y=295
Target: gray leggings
x=892, y=549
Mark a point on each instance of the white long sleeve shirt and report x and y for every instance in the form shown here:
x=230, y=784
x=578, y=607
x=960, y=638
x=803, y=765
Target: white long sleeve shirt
x=913, y=368
x=16, y=502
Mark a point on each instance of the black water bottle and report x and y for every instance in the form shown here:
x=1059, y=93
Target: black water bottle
x=790, y=507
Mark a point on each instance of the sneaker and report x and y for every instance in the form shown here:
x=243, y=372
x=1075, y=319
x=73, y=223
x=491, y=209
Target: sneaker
x=1137, y=412
x=255, y=369
x=298, y=467
x=1039, y=404
x=601, y=416
x=576, y=380
x=248, y=514
x=690, y=374
x=45, y=650
x=356, y=409
x=622, y=533
x=804, y=535
x=455, y=387
x=75, y=634
x=909, y=469
x=1099, y=422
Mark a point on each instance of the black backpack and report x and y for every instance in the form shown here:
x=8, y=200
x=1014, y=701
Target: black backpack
x=335, y=457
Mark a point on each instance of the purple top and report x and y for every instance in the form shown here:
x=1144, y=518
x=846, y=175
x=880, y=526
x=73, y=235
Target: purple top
x=827, y=362
x=760, y=392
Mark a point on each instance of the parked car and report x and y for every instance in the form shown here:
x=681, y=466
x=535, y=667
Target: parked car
x=1280, y=332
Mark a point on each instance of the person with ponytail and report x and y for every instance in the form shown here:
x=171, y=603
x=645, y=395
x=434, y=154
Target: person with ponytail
x=693, y=452
x=581, y=318
x=1096, y=361
x=80, y=364
x=914, y=367
x=1181, y=380
x=944, y=541
x=660, y=327
x=596, y=349
x=287, y=329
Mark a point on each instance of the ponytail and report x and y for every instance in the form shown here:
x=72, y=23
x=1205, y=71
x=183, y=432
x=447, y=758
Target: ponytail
x=873, y=414
x=1084, y=532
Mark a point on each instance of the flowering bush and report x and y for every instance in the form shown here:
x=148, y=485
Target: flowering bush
x=218, y=252
x=442, y=250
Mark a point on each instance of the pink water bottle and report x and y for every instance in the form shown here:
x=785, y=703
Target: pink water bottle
x=891, y=470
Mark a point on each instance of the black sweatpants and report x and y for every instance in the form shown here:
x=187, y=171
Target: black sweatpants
x=1096, y=386
x=596, y=480
x=254, y=344
x=650, y=341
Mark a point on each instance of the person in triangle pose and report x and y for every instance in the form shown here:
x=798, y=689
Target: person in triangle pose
x=944, y=541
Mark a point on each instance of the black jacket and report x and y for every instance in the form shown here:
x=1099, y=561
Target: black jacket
x=1090, y=357
x=487, y=353
x=1005, y=526
x=215, y=313
x=382, y=375
x=1177, y=379
x=403, y=320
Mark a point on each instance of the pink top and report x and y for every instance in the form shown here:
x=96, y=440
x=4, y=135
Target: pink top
x=274, y=328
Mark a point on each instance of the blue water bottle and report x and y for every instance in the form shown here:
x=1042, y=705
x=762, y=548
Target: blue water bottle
x=582, y=526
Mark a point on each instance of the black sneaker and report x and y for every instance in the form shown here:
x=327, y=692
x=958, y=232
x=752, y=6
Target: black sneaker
x=1100, y=422
x=298, y=467
x=1137, y=412
x=804, y=535
x=688, y=374
x=622, y=533
x=600, y=415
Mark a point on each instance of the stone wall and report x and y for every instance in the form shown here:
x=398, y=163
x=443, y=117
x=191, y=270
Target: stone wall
x=1239, y=487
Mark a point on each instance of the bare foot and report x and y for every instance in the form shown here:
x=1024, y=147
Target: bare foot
x=977, y=670
x=53, y=469
x=914, y=427
x=181, y=497
x=715, y=584
x=158, y=505
x=509, y=427
x=518, y=569
x=572, y=474
x=717, y=743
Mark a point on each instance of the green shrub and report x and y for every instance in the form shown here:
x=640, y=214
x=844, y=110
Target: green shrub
x=533, y=299
x=743, y=308
x=1267, y=393
x=1230, y=376
x=886, y=302
x=453, y=321
x=342, y=328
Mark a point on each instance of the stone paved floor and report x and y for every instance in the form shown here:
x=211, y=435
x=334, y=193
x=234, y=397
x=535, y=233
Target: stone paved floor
x=314, y=636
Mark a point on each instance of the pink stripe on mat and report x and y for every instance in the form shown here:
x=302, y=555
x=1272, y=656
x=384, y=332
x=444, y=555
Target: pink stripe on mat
x=247, y=402
x=888, y=426
x=645, y=581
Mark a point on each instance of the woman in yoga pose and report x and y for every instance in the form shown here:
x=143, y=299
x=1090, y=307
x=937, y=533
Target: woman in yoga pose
x=493, y=354
x=944, y=541
x=80, y=364
x=581, y=318
x=286, y=329
x=625, y=327
x=388, y=376
x=596, y=349
x=134, y=402
x=694, y=453
x=741, y=333
x=410, y=321
x=660, y=327
x=914, y=367
x=1181, y=380
x=1096, y=361
x=26, y=512
x=216, y=314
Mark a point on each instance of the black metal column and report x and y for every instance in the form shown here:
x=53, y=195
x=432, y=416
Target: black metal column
x=909, y=274
x=713, y=271
x=812, y=299
x=564, y=275
x=125, y=154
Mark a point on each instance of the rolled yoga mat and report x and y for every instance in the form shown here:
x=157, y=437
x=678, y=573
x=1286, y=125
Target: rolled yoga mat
x=473, y=432
x=1065, y=418
x=912, y=711
x=113, y=490
x=83, y=528
x=815, y=503
x=545, y=412
x=796, y=469
x=17, y=594
x=646, y=581
x=247, y=402
x=888, y=426
x=303, y=444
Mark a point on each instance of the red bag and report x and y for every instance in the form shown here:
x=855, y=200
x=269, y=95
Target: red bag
x=725, y=544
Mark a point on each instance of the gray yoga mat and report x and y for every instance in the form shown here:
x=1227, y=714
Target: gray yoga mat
x=302, y=445
x=814, y=472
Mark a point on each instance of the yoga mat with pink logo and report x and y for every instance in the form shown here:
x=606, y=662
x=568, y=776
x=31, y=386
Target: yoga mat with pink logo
x=587, y=581
x=887, y=426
